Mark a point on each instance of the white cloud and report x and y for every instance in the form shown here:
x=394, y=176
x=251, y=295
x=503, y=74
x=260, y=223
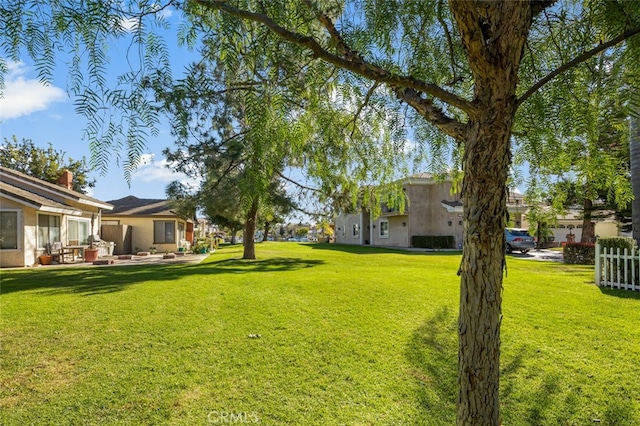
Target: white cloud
x=133, y=23
x=166, y=13
x=150, y=170
x=129, y=24
x=24, y=96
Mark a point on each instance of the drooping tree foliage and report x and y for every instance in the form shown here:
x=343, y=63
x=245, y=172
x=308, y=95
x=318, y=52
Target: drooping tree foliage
x=457, y=71
x=464, y=68
x=44, y=163
x=78, y=36
x=580, y=156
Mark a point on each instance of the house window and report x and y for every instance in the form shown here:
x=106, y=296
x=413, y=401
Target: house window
x=384, y=229
x=110, y=222
x=164, y=232
x=78, y=231
x=356, y=230
x=9, y=230
x=48, y=229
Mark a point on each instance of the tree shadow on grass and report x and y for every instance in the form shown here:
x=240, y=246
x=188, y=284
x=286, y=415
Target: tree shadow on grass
x=358, y=249
x=101, y=280
x=623, y=294
x=433, y=354
x=541, y=391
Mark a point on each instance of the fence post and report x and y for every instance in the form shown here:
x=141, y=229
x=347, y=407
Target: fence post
x=626, y=259
x=634, y=261
x=598, y=265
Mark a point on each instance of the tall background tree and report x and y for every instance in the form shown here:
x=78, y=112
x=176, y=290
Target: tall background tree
x=232, y=135
x=44, y=163
x=453, y=67
x=580, y=157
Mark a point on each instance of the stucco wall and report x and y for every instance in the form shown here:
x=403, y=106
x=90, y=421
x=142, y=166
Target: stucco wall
x=398, y=233
x=142, y=231
x=28, y=246
x=344, y=229
x=428, y=216
x=424, y=215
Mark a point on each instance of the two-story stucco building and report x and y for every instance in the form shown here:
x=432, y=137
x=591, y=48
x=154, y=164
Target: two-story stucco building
x=432, y=209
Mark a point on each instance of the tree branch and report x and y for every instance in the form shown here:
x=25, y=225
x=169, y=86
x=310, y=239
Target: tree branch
x=427, y=109
x=298, y=184
x=310, y=213
x=576, y=61
x=364, y=104
x=351, y=60
x=452, y=58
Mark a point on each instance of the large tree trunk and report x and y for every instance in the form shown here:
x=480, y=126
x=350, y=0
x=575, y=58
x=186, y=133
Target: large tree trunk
x=267, y=228
x=635, y=175
x=494, y=37
x=485, y=215
x=588, y=228
x=250, y=230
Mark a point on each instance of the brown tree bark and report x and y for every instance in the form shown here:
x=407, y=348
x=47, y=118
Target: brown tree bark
x=494, y=37
x=588, y=227
x=250, y=230
x=485, y=214
x=267, y=228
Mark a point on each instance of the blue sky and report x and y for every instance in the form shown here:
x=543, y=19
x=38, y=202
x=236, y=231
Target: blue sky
x=45, y=114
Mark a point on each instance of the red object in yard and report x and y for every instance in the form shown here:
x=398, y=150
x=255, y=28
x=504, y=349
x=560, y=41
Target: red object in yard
x=90, y=255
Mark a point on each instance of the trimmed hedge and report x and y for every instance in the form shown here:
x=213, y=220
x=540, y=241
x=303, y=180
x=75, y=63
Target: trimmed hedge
x=579, y=253
x=618, y=242
x=433, y=241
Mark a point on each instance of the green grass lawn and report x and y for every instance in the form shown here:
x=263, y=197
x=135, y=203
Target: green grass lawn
x=306, y=335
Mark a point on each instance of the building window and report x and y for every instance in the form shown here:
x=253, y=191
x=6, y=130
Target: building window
x=384, y=229
x=9, y=230
x=356, y=230
x=110, y=222
x=48, y=230
x=78, y=231
x=164, y=232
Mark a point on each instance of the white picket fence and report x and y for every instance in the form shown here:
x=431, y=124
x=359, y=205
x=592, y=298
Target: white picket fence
x=617, y=268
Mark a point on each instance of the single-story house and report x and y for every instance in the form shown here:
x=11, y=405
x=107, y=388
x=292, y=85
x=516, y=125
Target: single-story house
x=35, y=214
x=568, y=226
x=138, y=224
x=431, y=210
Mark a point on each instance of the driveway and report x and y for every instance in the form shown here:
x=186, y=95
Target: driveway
x=542, y=254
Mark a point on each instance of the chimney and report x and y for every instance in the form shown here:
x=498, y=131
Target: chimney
x=66, y=179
